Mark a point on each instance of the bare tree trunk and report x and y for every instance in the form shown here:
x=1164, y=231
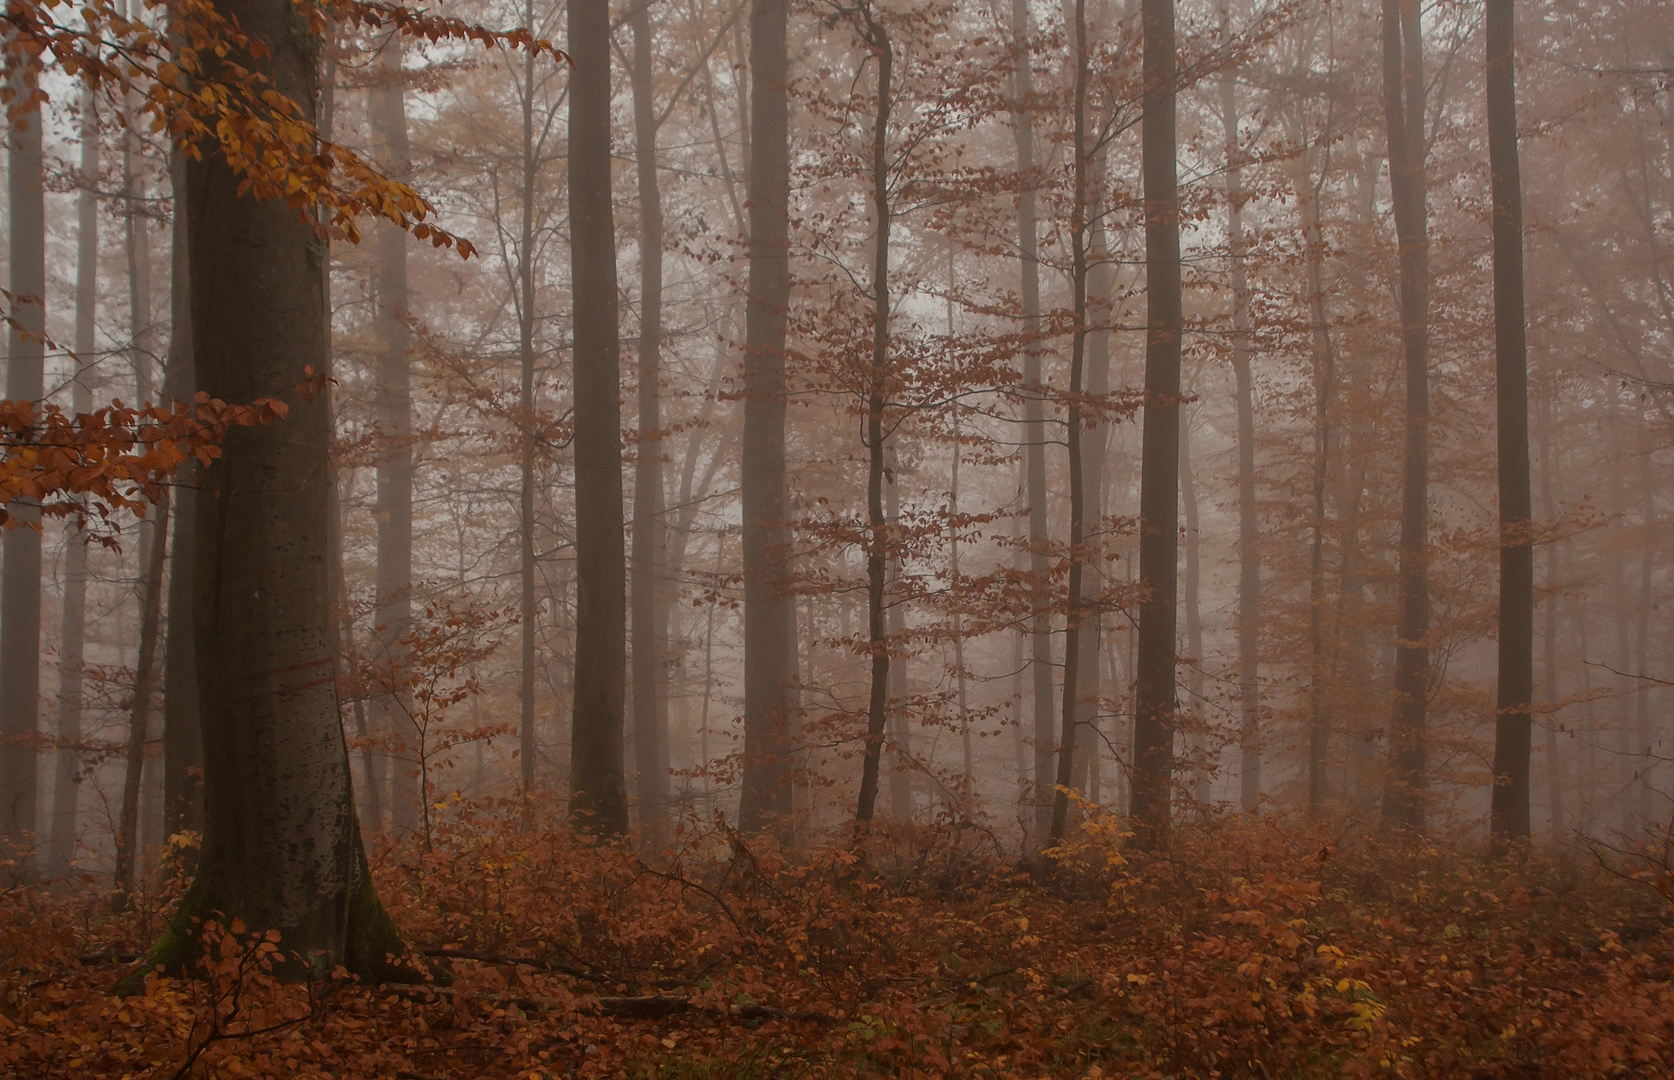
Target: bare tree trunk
x=766, y=797
x=1549, y=509
x=372, y=773
x=1403, y=96
x=281, y=842
x=20, y=550
x=1249, y=535
x=1200, y=742
x=1512, y=734
x=1159, y=508
x=1034, y=415
x=597, y=785
x=182, y=730
x=72, y=653
x=528, y=611
x=139, y=709
x=1308, y=192
x=880, y=549
x=650, y=533
x=1078, y=496
x=393, y=508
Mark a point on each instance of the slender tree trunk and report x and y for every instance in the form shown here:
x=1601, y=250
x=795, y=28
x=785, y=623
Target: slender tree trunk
x=901, y=778
x=880, y=548
x=967, y=760
x=20, y=550
x=1034, y=416
x=139, y=709
x=182, y=730
x=1249, y=534
x=1549, y=634
x=1510, y=811
x=393, y=508
x=1070, y=706
x=650, y=532
x=1403, y=96
x=528, y=611
x=72, y=653
x=766, y=797
x=1159, y=507
x=1308, y=191
x=1200, y=742
x=597, y=785
x=281, y=845
x=372, y=774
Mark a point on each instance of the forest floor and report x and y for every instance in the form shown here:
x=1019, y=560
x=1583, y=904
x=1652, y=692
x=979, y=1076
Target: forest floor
x=1250, y=949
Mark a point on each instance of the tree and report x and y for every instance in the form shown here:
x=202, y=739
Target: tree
x=650, y=532
x=387, y=110
x=1159, y=495
x=20, y=551
x=1515, y=691
x=768, y=625
x=281, y=845
x=1403, y=100
x=597, y=785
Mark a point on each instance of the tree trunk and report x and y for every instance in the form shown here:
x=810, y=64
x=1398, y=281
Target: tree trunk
x=1510, y=811
x=182, y=730
x=72, y=653
x=1200, y=743
x=766, y=797
x=650, y=533
x=393, y=509
x=1159, y=506
x=139, y=709
x=1034, y=416
x=1249, y=534
x=895, y=624
x=880, y=548
x=1549, y=509
x=1078, y=497
x=528, y=611
x=1308, y=191
x=1403, y=97
x=1094, y=448
x=598, y=788
x=20, y=550
x=281, y=845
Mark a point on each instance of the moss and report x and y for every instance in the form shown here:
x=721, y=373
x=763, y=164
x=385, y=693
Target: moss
x=374, y=950
x=177, y=948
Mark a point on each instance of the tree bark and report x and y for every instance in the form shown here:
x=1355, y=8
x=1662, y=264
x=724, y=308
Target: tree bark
x=1159, y=509
x=1308, y=191
x=1249, y=535
x=650, y=532
x=1078, y=497
x=72, y=652
x=281, y=847
x=765, y=800
x=1406, y=779
x=1549, y=634
x=139, y=708
x=393, y=508
x=1509, y=819
x=182, y=729
x=20, y=551
x=1201, y=766
x=879, y=549
x=598, y=788
x=528, y=610
x=1034, y=417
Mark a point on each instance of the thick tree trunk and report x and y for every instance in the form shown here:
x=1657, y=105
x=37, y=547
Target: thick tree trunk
x=182, y=729
x=598, y=788
x=766, y=797
x=1249, y=534
x=20, y=550
x=281, y=846
x=72, y=652
x=1034, y=417
x=879, y=550
x=650, y=532
x=1510, y=810
x=1070, y=706
x=393, y=508
x=1159, y=507
x=1406, y=779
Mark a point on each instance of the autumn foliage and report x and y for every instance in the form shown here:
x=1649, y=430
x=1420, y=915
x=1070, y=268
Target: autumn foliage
x=1251, y=949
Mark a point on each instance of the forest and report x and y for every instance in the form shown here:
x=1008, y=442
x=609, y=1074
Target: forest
x=696, y=539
